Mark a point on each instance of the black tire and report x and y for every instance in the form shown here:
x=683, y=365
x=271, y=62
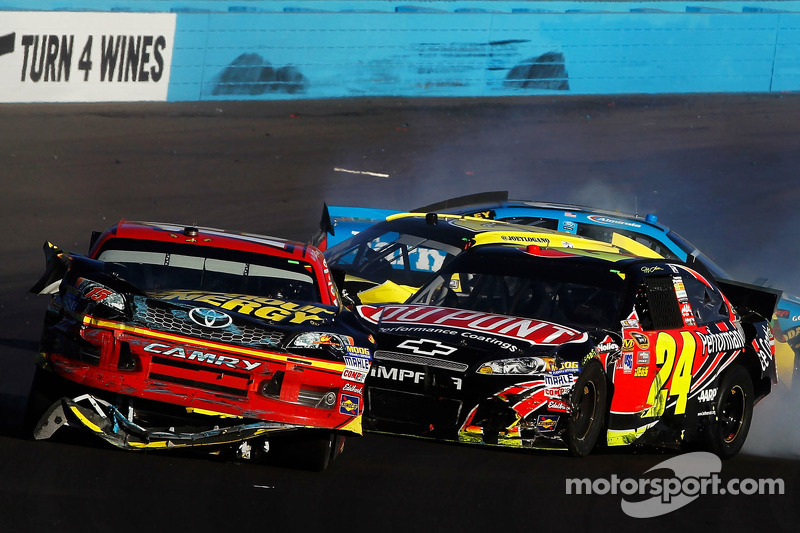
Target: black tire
x=588, y=410
x=734, y=413
x=46, y=389
x=313, y=452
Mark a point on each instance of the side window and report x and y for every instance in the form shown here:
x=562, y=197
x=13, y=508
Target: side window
x=539, y=222
x=707, y=303
x=606, y=234
x=657, y=305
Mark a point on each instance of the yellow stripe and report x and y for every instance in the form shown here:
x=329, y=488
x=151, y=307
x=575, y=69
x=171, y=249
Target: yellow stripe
x=86, y=422
x=145, y=332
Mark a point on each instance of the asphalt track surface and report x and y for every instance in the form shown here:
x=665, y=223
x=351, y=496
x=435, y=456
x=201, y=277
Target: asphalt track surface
x=720, y=170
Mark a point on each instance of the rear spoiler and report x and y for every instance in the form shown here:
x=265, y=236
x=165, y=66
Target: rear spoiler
x=750, y=298
x=357, y=217
x=491, y=197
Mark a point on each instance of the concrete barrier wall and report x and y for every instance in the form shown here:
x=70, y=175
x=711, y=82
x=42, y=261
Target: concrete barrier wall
x=280, y=49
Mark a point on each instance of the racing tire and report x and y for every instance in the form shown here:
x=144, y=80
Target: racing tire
x=308, y=452
x=588, y=410
x=319, y=452
x=734, y=413
x=46, y=389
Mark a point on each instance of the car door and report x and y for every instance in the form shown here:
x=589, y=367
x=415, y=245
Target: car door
x=671, y=352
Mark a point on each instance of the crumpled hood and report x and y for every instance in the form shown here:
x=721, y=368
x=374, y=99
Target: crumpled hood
x=270, y=310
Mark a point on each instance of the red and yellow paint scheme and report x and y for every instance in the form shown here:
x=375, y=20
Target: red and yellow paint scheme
x=167, y=337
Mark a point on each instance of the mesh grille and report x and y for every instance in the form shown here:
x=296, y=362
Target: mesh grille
x=420, y=360
x=177, y=321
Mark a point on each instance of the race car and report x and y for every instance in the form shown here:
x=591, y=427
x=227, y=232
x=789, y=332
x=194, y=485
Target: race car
x=534, y=347
x=634, y=233
x=388, y=261
x=167, y=337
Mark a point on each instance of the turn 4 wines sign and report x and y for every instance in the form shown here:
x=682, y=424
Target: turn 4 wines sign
x=85, y=57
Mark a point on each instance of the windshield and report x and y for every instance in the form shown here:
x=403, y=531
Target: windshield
x=583, y=298
x=154, y=267
x=402, y=258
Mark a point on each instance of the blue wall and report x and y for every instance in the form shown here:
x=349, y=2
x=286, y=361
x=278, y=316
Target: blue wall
x=283, y=49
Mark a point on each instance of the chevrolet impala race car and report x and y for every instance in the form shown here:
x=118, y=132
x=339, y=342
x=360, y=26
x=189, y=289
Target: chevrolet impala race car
x=167, y=337
x=561, y=348
x=634, y=233
x=388, y=261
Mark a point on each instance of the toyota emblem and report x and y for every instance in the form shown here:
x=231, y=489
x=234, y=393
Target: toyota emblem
x=210, y=318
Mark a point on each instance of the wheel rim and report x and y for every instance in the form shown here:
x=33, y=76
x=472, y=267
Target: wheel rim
x=585, y=410
x=732, y=415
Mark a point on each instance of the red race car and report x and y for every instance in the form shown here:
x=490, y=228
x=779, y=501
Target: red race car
x=167, y=337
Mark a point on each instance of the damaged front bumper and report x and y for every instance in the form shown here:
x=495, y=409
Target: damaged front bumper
x=107, y=422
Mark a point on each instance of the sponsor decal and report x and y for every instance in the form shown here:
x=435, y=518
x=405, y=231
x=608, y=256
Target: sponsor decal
x=627, y=345
x=641, y=372
x=351, y=374
x=356, y=389
x=257, y=306
x=721, y=342
x=568, y=226
x=560, y=380
x=641, y=340
x=558, y=405
x=358, y=350
x=555, y=392
x=545, y=423
x=627, y=363
x=607, y=347
x=568, y=367
x=651, y=269
x=707, y=395
x=764, y=345
x=613, y=221
x=525, y=239
x=85, y=57
x=643, y=358
x=349, y=404
x=208, y=358
x=426, y=347
x=210, y=318
x=533, y=331
x=357, y=363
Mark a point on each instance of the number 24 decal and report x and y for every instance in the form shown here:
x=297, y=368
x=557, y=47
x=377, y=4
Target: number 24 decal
x=666, y=352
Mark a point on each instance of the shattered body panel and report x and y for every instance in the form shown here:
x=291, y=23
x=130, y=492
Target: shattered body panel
x=165, y=337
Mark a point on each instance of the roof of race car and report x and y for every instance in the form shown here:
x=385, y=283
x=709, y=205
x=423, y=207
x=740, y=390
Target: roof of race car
x=482, y=231
x=203, y=236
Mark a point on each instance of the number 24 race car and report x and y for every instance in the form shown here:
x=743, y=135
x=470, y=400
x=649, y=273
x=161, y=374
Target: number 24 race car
x=561, y=348
x=167, y=337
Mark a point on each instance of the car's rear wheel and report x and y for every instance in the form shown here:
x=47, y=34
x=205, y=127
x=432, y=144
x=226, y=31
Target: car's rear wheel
x=588, y=410
x=734, y=413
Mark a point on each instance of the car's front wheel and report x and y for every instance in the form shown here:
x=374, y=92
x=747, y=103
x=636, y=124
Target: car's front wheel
x=588, y=410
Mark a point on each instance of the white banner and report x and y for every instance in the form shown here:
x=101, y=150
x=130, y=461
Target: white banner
x=85, y=57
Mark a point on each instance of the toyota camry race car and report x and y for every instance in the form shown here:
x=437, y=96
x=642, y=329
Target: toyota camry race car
x=165, y=337
x=635, y=234
x=388, y=261
x=539, y=347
